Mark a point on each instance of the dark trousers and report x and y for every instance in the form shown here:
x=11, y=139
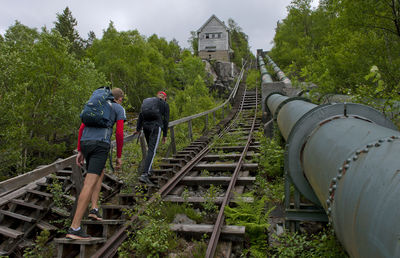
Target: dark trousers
x=152, y=133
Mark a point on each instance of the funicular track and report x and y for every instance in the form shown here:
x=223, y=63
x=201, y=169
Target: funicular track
x=27, y=209
x=233, y=174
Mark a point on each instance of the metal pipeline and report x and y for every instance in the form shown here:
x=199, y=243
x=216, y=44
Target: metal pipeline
x=345, y=158
x=281, y=75
x=265, y=77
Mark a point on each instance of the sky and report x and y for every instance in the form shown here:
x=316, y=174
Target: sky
x=170, y=19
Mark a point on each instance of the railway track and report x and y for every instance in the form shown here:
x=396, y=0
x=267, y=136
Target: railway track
x=187, y=170
x=26, y=212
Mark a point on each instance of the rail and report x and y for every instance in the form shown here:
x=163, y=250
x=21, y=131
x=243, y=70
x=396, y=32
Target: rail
x=212, y=246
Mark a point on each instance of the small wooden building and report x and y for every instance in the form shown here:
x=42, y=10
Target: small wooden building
x=214, y=42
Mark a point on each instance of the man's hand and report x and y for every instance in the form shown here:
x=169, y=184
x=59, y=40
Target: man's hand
x=164, y=139
x=118, y=163
x=79, y=159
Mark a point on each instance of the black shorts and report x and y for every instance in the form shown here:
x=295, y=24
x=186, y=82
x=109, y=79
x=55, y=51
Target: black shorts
x=96, y=154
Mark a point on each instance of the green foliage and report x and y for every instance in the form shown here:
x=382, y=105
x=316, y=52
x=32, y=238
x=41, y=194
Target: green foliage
x=254, y=217
x=209, y=199
x=323, y=244
x=43, y=88
x=41, y=249
x=65, y=25
x=378, y=94
x=272, y=157
x=253, y=79
x=239, y=44
x=194, y=42
x=172, y=209
x=336, y=44
x=56, y=189
x=153, y=239
x=131, y=157
x=193, y=99
x=43, y=85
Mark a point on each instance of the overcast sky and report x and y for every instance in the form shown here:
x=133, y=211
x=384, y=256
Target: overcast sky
x=166, y=18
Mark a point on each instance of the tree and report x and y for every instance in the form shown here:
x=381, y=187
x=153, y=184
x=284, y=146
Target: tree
x=65, y=25
x=44, y=90
x=239, y=43
x=90, y=40
x=194, y=42
x=337, y=44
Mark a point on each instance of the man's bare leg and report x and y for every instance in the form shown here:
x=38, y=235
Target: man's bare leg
x=84, y=198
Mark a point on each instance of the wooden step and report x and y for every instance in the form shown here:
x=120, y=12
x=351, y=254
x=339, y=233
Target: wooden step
x=226, y=167
x=43, y=225
x=233, y=231
x=69, y=197
x=236, y=148
x=90, y=241
x=196, y=199
x=60, y=212
x=214, y=157
x=104, y=222
x=216, y=180
x=108, y=188
x=116, y=206
x=49, y=195
x=12, y=233
x=113, y=178
x=25, y=204
x=18, y=216
x=64, y=172
x=60, y=178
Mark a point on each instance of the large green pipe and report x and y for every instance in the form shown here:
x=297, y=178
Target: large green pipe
x=345, y=157
x=265, y=77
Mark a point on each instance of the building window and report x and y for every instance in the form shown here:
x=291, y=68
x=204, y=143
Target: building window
x=211, y=48
x=217, y=35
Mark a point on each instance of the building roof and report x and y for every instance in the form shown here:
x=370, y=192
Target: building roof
x=209, y=19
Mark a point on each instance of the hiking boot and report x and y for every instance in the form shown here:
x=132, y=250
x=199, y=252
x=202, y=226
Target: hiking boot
x=95, y=215
x=146, y=180
x=150, y=173
x=77, y=234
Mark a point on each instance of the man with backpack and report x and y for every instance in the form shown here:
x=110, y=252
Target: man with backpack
x=100, y=113
x=153, y=118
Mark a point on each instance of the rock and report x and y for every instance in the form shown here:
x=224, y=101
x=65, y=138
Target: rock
x=279, y=230
x=182, y=219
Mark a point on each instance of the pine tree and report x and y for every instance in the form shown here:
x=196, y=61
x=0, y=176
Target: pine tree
x=65, y=25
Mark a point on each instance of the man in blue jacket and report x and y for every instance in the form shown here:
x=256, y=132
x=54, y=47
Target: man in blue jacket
x=94, y=146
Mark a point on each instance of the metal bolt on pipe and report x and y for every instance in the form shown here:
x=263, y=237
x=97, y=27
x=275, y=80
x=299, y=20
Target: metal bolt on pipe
x=345, y=158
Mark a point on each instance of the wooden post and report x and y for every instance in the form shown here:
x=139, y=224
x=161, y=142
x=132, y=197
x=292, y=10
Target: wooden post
x=173, y=144
x=206, y=123
x=190, y=130
x=77, y=181
x=214, y=117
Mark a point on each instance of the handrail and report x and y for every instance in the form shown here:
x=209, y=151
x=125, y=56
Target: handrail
x=9, y=185
x=231, y=96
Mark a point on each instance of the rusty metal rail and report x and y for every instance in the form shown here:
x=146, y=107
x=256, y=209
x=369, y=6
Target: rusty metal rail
x=212, y=246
